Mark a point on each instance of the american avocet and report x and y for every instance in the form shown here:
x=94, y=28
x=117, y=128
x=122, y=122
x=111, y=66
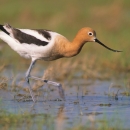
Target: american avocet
x=46, y=45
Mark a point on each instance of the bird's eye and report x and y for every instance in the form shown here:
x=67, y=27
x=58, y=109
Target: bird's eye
x=90, y=33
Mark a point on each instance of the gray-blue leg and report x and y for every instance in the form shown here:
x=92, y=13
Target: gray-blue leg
x=27, y=78
x=61, y=91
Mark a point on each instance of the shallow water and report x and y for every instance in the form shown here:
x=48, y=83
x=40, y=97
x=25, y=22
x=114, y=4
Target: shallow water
x=86, y=103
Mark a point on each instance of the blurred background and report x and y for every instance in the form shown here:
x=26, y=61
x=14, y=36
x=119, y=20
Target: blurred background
x=110, y=19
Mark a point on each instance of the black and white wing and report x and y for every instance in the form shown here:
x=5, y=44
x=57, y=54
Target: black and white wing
x=38, y=37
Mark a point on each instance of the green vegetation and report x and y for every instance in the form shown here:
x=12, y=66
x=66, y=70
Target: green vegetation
x=11, y=121
x=110, y=20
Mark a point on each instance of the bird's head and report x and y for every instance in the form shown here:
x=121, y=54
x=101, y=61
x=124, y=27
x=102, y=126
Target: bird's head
x=89, y=35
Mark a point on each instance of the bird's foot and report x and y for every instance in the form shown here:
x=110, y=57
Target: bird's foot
x=61, y=92
x=30, y=89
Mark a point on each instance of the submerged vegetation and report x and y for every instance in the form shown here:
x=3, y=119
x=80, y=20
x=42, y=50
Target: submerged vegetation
x=27, y=121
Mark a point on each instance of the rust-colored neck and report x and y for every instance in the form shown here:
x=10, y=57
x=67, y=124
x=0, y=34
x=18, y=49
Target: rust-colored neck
x=74, y=47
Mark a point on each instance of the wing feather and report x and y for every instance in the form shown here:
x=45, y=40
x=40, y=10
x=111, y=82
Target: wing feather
x=27, y=36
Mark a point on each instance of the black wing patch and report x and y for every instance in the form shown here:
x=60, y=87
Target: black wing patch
x=2, y=29
x=44, y=33
x=26, y=38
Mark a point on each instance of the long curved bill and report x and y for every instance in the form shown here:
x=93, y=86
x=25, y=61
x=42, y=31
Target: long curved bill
x=96, y=40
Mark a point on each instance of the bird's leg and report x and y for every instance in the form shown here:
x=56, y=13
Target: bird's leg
x=27, y=79
x=61, y=91
x=29, y=70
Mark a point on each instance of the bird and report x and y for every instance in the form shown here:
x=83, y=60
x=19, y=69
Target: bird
x=42, y=44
